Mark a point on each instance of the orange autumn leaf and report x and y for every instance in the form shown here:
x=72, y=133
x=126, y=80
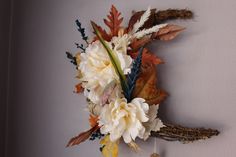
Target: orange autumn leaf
x=146, y=86
x=114, y=20
x=148, y=57
x=79, y=88
x=82, y=137
x=93, y=120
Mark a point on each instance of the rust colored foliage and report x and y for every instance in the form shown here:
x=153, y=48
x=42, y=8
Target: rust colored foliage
x=136, y=16
x=168, y=33
x=147, y=57
x=103, y=32
x=93, y=120
x=146, y=86
x=113, y=21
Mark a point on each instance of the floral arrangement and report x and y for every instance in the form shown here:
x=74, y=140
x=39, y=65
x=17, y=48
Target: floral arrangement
x=117, y=74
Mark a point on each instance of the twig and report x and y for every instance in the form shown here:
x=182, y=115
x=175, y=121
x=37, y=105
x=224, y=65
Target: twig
x=172, y=14
x=184, y=134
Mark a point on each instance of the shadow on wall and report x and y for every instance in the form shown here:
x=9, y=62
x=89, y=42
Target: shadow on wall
x=4, y=43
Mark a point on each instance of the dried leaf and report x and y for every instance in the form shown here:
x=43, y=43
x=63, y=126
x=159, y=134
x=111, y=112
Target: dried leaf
x=157, y=96
x=137, y=15
x=114, y=20
x=82, y=137
x=93, y=120
x=79, y=88
x=146, y=86
x=109, y=149
x=103, y=32
x=168, y=33
x=148, y=57
x=138, y=43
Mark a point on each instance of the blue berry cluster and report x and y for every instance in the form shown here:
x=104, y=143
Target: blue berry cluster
x=95, y=135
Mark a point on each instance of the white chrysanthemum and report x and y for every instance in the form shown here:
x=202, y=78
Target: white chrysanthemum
x=122, y=119
x=97, y=70
x=154, y=123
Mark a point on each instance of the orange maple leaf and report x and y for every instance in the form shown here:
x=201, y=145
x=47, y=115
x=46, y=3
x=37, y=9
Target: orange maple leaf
x=147, y=57
x=146, y=86
x=114, y=20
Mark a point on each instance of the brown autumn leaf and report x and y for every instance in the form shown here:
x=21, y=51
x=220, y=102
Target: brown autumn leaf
x=137, y=15
x=146, y=86
x=148, y=57
x=168, y=32
x=82, y=137
x=138, y=43
x=114, y=20
x=103, y=32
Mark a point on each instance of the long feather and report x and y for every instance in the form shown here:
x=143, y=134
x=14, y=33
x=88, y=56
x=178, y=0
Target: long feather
x=142, y=20
x=144, y=32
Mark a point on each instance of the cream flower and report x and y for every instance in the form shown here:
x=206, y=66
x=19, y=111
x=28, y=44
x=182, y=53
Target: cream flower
x=97, y=70
x=122, y=119
x=121, y=44
x=154, y=123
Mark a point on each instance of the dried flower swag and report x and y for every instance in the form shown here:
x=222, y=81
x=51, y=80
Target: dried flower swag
x=117, y=74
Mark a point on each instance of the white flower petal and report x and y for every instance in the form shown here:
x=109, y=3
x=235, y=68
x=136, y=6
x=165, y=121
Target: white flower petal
x=97, y=70
x=122, y=119
x=154, y=123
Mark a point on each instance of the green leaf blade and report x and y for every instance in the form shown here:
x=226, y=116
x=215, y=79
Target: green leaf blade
x=115, y=61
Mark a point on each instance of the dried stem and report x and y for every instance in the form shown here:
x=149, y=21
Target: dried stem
x=160, y=16
x=184, y=134
x=172, y=14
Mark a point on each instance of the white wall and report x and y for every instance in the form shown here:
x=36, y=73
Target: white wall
x=199, y=74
